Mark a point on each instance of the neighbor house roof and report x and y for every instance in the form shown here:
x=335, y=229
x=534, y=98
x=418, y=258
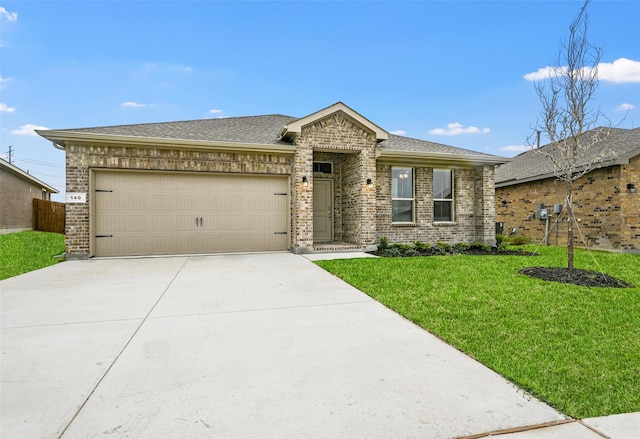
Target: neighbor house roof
x=616, y=145
x=262, y=133
x=12, y=169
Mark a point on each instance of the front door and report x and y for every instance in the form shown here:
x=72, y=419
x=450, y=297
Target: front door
x=322, y=210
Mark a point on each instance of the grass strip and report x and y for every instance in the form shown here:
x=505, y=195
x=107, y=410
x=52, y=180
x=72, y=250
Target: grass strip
x=27, y=251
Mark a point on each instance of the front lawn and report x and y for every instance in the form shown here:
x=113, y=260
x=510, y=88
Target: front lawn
x=27, y=251
x=577, y=348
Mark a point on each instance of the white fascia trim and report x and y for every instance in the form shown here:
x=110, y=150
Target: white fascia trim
x=295, y=127
x=59, y=138
x=438, y=158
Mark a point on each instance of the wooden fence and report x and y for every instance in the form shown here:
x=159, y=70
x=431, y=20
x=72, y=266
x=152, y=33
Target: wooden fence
x=48, y=216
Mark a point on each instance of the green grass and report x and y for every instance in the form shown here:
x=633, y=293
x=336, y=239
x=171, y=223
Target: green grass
x=27, y=251
x=576, y=348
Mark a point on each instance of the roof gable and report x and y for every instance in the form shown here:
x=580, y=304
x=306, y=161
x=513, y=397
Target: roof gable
x=294, y=128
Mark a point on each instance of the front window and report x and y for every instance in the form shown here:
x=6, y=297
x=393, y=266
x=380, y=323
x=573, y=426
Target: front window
x=442, y=195
x=402, y=197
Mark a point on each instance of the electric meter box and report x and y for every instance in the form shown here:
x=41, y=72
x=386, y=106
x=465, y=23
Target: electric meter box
x=544, y=214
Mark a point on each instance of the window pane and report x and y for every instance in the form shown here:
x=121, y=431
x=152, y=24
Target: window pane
x=442, y=187
x=323, y=167
x=402, y=211
x=442, y=211
x=402, y=183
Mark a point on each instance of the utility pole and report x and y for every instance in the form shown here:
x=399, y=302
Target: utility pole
x=10, y=151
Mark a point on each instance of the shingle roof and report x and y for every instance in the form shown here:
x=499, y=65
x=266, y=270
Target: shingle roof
x=260, y=130
x=400, y=143
x=251, y=129
x=531, y=165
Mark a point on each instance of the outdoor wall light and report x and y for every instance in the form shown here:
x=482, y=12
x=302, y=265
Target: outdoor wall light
x=305, y=182
x=632, y=188
x=369, y=183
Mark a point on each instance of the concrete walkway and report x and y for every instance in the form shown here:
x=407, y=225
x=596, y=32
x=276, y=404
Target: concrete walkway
x=238, y=346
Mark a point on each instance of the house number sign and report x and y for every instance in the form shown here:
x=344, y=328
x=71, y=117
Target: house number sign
x=76, y=197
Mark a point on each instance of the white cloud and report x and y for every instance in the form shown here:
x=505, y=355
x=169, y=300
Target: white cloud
x=620, y=71
x=456, y=128
x=5, y=108
x=28, y=130
x=542, y=73
x=215, y=111
x=130, y=104
x=625, y=107
x=9, y=16
x=515, y=148
x=399, y=132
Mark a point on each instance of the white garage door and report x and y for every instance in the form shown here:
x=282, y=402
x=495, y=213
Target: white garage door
x=149, y=213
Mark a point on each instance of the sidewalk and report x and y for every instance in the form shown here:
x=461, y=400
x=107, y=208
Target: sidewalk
x=621, y=426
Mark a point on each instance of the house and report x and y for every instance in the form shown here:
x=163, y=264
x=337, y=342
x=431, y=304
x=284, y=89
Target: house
x=18, y=189
x=332, y=180
x=606, y=200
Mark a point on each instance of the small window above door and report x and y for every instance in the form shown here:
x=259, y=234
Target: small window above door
x=323, y=167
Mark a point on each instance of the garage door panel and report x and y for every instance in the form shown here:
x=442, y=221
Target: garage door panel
x=173, y=213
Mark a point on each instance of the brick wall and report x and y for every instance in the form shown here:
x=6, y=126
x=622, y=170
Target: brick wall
x=16, y=201
x=608, y=214
x=80, y=158
x=630, y=205
x=473, y=198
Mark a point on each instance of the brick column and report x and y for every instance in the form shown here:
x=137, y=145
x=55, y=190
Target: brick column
x=77, y=214
x=484, y=204
x=302, y=199
x=368, y=233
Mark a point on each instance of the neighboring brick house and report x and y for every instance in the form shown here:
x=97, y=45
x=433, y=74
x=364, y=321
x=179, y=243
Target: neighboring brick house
x=606, y=200
x=332, y=180
x=17, y=191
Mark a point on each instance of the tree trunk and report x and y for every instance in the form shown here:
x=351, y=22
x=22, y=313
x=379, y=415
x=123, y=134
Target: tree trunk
x=570, y=220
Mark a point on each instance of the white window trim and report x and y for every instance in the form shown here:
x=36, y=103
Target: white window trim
x=449, y=200
x=413, y=200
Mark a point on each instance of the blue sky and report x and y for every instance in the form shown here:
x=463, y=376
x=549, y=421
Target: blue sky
x=452, y=72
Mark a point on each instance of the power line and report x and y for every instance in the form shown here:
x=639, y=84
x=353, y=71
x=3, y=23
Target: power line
x=48, y=175
x=38, y=162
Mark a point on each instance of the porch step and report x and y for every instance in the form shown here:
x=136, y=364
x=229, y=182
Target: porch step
x=321, y=247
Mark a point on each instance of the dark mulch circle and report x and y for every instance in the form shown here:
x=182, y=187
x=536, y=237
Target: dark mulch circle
x=583, y=278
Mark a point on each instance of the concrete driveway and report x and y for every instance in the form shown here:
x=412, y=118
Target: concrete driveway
x=262, y=345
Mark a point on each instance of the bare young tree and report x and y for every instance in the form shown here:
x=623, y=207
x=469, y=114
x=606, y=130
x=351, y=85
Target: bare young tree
x=568, y=116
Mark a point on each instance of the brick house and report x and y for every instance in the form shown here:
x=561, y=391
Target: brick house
x=332, y=180
x=606, y=201
x=17, y=191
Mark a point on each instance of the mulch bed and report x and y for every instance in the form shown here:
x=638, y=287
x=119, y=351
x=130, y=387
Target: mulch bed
x=497, y=252
x=583, y=278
